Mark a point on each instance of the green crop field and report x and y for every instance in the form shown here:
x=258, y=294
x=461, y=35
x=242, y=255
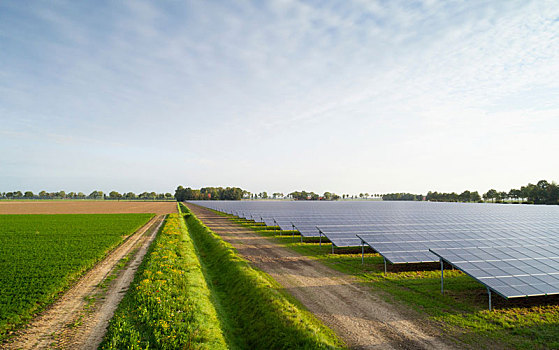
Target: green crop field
x=41, y=255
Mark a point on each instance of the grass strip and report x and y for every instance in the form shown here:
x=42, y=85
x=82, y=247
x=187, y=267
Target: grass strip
x=169, y=304
x=462, y=313
x=256, y=312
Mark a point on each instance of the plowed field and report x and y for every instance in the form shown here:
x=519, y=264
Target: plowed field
x=86, y=207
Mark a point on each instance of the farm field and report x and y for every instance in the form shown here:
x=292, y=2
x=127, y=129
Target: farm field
x=41, y=255
x=86, y=207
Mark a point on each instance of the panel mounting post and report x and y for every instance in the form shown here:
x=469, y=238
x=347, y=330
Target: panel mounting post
x=320, y=239
x=442, y=276
x=362, y=252
x=489, y=294
x=275, y=222
x=384, y=266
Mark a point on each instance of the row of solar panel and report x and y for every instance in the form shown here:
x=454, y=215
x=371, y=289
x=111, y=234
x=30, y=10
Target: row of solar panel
x=511, y=250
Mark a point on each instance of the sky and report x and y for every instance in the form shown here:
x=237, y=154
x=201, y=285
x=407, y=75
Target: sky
x=345, y=96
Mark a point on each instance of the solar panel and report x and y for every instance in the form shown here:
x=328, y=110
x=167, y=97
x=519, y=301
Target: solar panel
x=513, y=271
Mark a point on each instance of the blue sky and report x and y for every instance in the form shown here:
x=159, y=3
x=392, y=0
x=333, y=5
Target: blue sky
x=346, y=96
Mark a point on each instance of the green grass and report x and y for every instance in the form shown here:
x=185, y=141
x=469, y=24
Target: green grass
x=42, y=255
x=255, y=311
x=462, y=312
x=168, y=306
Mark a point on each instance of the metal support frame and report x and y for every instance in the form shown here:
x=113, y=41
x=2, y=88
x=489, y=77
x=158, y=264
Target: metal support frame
x=442, y=276
x=362, y=252
x=332, y=248
x=489, y=294
x=275, y=222
x=320, y=239
x=384, y=266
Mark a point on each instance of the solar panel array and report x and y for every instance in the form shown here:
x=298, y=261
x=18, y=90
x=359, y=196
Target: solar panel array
x=512, y=249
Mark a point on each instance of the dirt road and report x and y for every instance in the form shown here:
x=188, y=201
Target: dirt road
x=356, y=313
x=79, y=319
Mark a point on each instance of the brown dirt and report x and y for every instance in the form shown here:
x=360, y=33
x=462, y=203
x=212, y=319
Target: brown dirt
x=85, y=207
x=73, y=323
x=356, y=313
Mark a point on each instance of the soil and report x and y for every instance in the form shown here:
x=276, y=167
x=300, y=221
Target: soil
x=86, y=207
x=357, y=313
x=74, y=323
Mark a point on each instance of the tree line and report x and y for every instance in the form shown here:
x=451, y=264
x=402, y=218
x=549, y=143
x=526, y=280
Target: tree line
x=209, y=193
x=402, y=197
x=304, y=195
x=113, y=195
x=543, y=192
x=465, y=196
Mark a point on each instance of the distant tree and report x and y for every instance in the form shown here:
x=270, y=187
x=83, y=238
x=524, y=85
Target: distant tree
x=502, y=195
x=465, y=196
x=491, y=195
x=475, y=197
x=552, y=194
x=168, y=195
x=144, y=195
x=96, y=195
x=80, y=195
x=114, y=195
x=514, y=194
x=28, y=194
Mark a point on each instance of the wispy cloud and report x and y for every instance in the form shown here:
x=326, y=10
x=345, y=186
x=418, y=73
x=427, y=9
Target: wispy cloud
x=286, y=82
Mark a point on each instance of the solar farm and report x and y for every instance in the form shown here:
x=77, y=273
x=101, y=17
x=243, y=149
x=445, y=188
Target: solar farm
x=512, y=250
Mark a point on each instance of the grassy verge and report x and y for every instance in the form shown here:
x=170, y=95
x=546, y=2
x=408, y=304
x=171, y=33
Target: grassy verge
x=462, y=312
x=255, y=313
x=169, y=304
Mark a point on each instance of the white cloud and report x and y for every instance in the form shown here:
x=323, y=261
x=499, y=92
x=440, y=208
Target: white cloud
x=358, y=94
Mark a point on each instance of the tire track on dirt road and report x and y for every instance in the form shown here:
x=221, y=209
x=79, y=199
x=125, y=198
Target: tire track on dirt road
x=73, y=323
x=356, y=313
